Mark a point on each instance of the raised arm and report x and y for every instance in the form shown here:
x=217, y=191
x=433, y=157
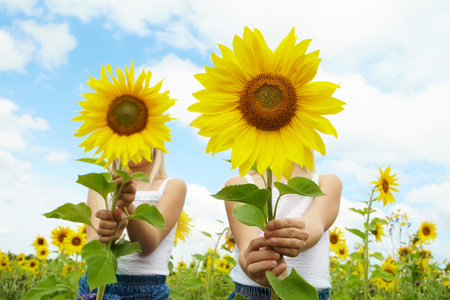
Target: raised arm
x=170, y=205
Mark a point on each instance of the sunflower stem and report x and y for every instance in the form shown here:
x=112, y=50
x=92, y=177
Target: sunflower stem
x=271, y=216
x=366, y=248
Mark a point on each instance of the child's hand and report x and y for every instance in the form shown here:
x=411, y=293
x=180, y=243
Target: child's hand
x=107, y=225
x=128, y=192
x=287, y=236
x=259, y=259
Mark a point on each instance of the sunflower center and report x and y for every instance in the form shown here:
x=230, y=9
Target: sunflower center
x=32, y=264
x=385, y=185
x=76, y=241
x=426, y=231
x=40, y=241
x=333, y=239
x=268, y=101
x=61, y=237
x=127, y=115
x=341, y=251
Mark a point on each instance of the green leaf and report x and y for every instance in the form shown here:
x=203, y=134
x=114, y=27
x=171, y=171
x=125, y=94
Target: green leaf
x=239, y=297
x=97, y=182
x=80, y=213
x=358, y=211
x=206, y=233
x=49, y=288
x=383, y=275
x=299, y=186
x=356, y=255
x=123, y=247
x=92, y=161
x=101, y=264
x=245, y=193
x=138, y=176
x=150, y=214
x=249, y=215
x=378, y=256
x=356, y=232
x=293, y=287
x=381, y=221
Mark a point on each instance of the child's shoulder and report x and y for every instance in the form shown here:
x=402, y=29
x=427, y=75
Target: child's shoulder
x=236, y=180
x=329, y=180
x=176, y=183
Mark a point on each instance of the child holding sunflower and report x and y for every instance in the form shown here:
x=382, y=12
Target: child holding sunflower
x=298, y=237
x=140, y=275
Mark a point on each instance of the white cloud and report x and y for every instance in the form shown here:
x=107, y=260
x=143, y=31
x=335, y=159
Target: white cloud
x=16, y=53
x=55, y=42
x=15, y=128
x=179, y=79
x=57, y=157
x=25, y=6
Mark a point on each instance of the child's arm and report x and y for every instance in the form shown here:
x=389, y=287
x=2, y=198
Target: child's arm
x=292, y=236
x=255, y=258
x=170, y=205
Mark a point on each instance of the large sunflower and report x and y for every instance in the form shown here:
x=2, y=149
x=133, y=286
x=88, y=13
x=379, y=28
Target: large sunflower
x=384, y=186
x=124, y=117
x=74, y=242
x=263, y=105
x=183, y=229
x=58, y=235
x=427, y=232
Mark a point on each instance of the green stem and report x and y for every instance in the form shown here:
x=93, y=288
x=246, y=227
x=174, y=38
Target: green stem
x=366, y=248
x=208, y=273
x=276, y=206
x=271, y=216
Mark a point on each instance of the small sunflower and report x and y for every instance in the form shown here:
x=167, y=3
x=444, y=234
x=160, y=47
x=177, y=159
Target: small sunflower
x=181, y=265
x=74, y=241
x=427, y=232
x=403, y=252
x=336, y=238
x=124, y=117
x=229, y=244
x=40, y=241
x=42, y=252
x=33, y=264
x=82, y=229
x=389, y=266
x=263, y=105
x=342, y=251
x=183, y=229
x=384, y=186
x=378, y=232
x=58, y=235
x=20, y=259
x=67, y=268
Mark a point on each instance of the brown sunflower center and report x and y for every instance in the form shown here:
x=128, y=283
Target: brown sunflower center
x=426, y=231
x=341, y=251
x=40, y=242
x=268, y=101
x=127, y=115
x=32, y=264
x=334, y=239
x=385, y=185
x=61, y=237
x=43, y=252
x=76, y=241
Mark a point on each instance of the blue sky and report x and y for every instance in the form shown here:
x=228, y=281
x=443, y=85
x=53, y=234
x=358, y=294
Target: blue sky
x=390, y=58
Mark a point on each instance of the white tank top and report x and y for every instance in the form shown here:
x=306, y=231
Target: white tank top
x=157, y=262
x=313, y=264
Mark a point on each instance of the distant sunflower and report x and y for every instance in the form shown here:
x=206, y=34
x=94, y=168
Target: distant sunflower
x=263, y=105
x=404, y=252
x=42, y=252
x=74, y=242
x=389, y=266
x=124, y=117
x=378, y=232
x=342, y=252
x=58, y=236
x=336, y=238
x=40, y=241
x=229, y=243
x=181, y=265
x=20, y=259
x=33, y=264
x=183, y=229
x=384, y=186
x=67, y=268
x=82, y=229
x=427, y=232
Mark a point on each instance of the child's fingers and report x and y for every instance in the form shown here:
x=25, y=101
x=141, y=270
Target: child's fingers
x=104, y=214
x=285, y=223
x=256, y=244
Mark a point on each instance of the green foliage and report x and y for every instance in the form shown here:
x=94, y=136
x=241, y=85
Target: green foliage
x=101, y=264
x=150, y=214
x=299, y=186
x=293, y=287
x=80, y=213
x=249, y=215
x=49, y=288
x=100, y=182
x=123, y=247
x=137, y=176
x=92, y=161
x=244, y=193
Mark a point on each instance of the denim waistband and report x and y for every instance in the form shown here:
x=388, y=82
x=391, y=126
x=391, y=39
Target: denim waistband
x=140, y=279
x=263, y=293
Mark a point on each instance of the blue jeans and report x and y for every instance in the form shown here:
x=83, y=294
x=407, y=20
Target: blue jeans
x=263, y=293
x=129, y=287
